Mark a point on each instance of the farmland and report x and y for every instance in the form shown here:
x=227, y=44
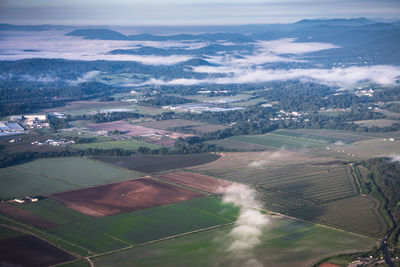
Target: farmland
x=197, y=181
x=126, y=144
x=123, y=197
x=183, y=124
x=28, y=250
x=53, y=211
x=362, y=210
x=25, y=216
x=377, y=123
x=153, y=164
x=373, y=148
x=284, y=242
x=315, y=188
x=122, y=230
x=235, y=145
x=46, y=176
x=279, y=141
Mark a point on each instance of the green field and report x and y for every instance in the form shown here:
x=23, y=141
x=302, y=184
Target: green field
x=232, y=145
x=284, y=242
x=377, y=123
x=54, y=211
x=118, y=231
x=83, y=134
x=363, y=211
x=280, y=141
x=52, y=175
x=6, y=232
x=126, y=144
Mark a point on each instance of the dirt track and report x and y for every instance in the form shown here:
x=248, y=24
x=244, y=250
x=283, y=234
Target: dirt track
x=124, y=197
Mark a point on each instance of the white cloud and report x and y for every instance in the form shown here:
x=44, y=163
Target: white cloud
x=246, y=233
x=53, y=44
x=381, y=74
x=288, y=46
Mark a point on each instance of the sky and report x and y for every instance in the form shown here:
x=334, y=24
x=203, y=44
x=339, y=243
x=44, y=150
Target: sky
x=188, y=12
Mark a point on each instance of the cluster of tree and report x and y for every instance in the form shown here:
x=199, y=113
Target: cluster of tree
x=165, y=100
x=385, y=173
x=192, y=145
x=9, y=159
x=57, y=123
x=107, y=117
x=299, y=96
x=387, y=94
x=18, y=97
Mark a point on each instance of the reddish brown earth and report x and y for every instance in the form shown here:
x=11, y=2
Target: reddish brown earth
x=124, y=126
x=27, y=250
x=197, y=181
x=124, y=197
x=25, y=216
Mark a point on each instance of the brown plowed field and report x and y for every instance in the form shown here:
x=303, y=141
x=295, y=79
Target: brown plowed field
x=133, y=130
x=25, y=216
x=197, y=181
x=124, y=197
x=27, y=250
x=124, y=126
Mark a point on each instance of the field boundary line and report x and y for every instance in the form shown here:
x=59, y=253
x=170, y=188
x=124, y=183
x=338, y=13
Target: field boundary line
x=46, y=234
x=118, y=239
x=162, y=239
x=41, y=238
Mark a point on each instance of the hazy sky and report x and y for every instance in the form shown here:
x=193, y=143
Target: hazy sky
x=188, y=12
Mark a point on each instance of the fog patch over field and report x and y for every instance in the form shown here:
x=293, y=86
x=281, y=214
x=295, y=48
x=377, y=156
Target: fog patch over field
x=54, y=44
x=288, y=46
x=265, y=159
x=394, y=157
x=88, y=76
x=380, y=74
x=248, y=229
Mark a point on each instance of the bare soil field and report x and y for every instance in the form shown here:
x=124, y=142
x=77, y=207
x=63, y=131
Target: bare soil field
x=123, y=197
x=153, y=164
x=124, y=126
x=197, y=181
x=27, y=250
x=25, y=216
x=132, y=130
